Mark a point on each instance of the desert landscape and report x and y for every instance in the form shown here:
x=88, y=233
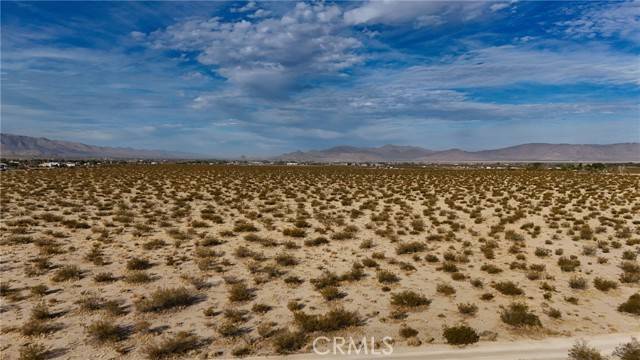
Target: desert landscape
x=204, y=261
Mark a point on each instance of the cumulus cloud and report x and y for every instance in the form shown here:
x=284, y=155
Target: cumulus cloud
x=268, y=57
x=251, y=5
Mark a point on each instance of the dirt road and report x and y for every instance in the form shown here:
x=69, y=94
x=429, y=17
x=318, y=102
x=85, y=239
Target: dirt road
x=548, y=349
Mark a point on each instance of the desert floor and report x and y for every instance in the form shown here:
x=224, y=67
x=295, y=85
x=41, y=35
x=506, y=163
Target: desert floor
x=150, y=261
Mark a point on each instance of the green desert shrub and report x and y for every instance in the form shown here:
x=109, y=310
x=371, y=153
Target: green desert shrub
x=460, y=335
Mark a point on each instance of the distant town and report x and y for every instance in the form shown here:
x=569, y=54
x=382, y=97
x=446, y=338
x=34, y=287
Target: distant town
x=44, y=164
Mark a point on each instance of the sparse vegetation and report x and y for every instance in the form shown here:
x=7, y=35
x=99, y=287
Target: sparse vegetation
x=96, y=242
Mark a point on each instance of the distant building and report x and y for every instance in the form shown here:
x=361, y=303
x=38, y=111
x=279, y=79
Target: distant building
x=50, y=164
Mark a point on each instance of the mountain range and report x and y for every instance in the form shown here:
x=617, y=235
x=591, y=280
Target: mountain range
x=623, y=152
x=27, y=147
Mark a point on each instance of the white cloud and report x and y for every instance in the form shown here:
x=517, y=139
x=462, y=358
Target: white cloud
x=503, y=65
x=420, y=13
x=499, y=6
x=137, y=35
x=260, y=13
x=272, y=56
x=611, y=19
x=251, y=5
x=194, y=75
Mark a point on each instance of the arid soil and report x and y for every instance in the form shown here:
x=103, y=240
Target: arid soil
x=153, y=261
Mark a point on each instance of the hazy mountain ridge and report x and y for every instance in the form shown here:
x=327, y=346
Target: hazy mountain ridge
x=622, y=152
x=26, y=147
x=19, y=146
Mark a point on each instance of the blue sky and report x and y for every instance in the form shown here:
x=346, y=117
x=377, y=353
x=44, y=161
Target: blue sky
x=262, y=78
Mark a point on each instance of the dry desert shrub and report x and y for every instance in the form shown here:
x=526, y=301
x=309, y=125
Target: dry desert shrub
x=632, y=305
x=183, y=342
x=166, y=298
x=409, y=299
x=289, y=341
x=582, y=351
x=103, y=331
x=335, y=319
x=628, y=351
x=33, y=351
x=518, y=315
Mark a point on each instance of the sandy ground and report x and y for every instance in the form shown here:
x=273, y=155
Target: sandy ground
x=171, y=202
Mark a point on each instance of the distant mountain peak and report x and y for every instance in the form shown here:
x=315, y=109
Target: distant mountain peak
x=27, y=147
x=622, y=152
